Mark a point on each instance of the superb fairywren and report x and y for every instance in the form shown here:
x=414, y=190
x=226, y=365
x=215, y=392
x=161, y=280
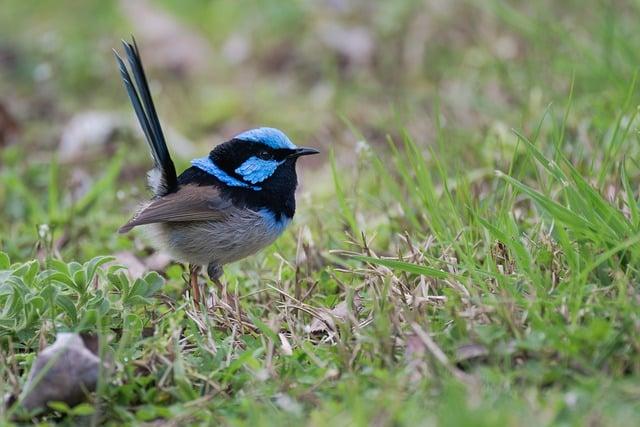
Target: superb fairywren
x=227, y=205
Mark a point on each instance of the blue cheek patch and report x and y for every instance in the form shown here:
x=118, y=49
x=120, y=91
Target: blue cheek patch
x=256, y=170
x=205, y=164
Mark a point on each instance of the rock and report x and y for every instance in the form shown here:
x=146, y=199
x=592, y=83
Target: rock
x=66, y=371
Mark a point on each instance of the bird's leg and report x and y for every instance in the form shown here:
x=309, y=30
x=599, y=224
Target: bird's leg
x=193, y=281
x=215, y=273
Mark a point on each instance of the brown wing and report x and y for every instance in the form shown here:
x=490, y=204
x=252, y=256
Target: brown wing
x=189, y=203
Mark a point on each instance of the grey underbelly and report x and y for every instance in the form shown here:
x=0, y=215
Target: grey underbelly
x=210, y=242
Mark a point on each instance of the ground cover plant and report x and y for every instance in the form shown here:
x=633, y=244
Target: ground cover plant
x=465, y=253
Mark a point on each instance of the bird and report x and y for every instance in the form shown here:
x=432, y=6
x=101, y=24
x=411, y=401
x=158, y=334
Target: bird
x=227, y=205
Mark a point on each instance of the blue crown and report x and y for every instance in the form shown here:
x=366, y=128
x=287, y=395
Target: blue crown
x=271, y=137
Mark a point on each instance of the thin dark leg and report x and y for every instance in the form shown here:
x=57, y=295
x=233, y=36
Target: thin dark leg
x=193, y=281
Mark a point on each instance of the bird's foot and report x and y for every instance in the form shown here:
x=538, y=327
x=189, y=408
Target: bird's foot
x=215, y=272
x=229, y=302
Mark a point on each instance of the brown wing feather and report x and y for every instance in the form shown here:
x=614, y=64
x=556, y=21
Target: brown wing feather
x=189, y=203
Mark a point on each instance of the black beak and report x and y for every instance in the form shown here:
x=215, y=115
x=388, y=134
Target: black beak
x=303, y=151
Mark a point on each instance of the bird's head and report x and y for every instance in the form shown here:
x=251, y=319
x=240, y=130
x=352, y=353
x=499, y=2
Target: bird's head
x=258, y=159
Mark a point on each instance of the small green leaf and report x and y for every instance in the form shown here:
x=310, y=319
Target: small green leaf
x=82, y=409
x=48, y=292
x=139, y=288
x=80, y=280
x=58, y=265
x=91, y=267
x=146, y=413
x=154, y=281
x=57, y=276
x=135, y=300
x=5, y=262
x=37, y=302
x=67, y=305
x=7, y=323
x=59, y=406
x=88, y=321
x=74, y=267
x=28, y=272
x=120, y=280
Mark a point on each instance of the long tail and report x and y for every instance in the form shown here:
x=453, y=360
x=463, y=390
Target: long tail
x=148, y=119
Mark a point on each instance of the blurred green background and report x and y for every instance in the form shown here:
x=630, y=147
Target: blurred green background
x=330, y=73
x=219, y=67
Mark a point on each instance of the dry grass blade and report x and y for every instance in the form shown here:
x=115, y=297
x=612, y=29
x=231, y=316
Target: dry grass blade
x=439, y=355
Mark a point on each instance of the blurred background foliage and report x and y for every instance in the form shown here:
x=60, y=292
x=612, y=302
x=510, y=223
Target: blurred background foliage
x=318, y=69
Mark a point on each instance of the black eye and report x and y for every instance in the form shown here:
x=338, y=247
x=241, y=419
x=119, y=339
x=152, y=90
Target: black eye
x=265, y=155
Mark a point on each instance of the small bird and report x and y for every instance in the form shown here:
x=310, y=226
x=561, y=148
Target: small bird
x=227, y=205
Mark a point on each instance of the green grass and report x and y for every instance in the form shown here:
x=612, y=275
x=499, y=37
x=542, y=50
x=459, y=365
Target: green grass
x=465, y=255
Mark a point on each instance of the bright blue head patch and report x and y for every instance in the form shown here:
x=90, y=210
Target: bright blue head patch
x=205, y=164
x=270, y=137
x=256, y=170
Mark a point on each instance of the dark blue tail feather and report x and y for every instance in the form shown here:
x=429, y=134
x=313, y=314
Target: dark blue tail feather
x=147, y=116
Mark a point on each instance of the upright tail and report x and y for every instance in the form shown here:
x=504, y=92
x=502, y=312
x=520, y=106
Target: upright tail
x=148, y=118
